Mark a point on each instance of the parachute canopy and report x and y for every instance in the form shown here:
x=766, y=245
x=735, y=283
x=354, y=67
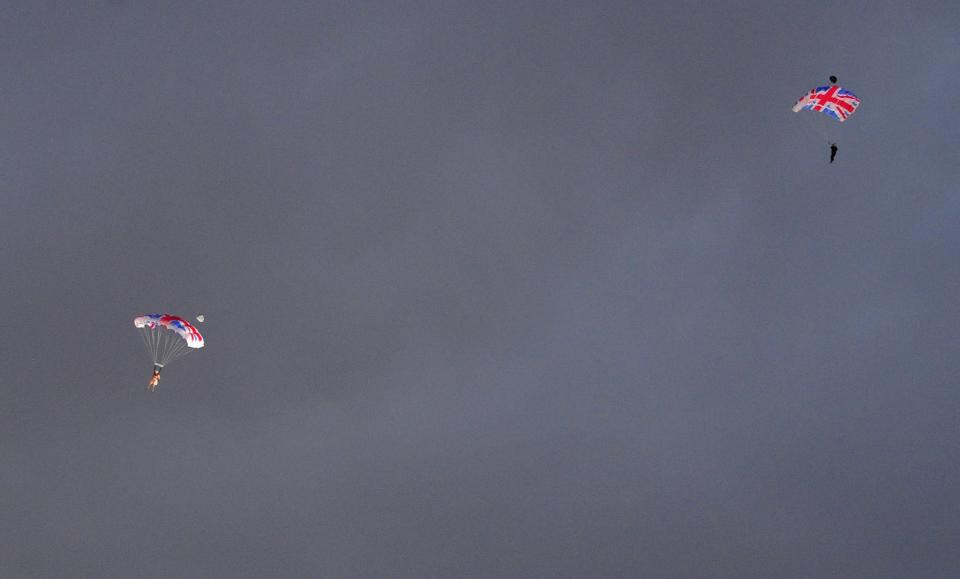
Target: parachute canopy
x=167, y=337
x=832, y=100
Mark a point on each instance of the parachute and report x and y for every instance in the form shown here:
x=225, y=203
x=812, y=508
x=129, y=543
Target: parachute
x=831, y=100
x=832, y=103
x=167, y=337
x=200, y=318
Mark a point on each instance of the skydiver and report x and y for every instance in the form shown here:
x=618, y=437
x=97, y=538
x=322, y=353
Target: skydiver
x=155, y=379
x=833, y=151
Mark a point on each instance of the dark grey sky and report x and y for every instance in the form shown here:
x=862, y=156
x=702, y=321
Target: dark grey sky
x=494, y=289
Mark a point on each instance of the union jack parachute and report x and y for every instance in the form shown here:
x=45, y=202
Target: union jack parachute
x=167, y=337
x=831, y=100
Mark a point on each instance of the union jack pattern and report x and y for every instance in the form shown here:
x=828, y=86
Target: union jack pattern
x=832, y=100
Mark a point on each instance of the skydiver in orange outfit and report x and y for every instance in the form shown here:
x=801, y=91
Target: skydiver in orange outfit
x=155, y=379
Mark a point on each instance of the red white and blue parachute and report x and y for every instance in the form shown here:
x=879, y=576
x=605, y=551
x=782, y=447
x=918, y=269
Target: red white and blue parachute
x=167, y=337
x=831, y=100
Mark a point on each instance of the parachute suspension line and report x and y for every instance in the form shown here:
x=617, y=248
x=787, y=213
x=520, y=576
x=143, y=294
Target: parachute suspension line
x=157, y=333
x=167, y=347
x=146, y=342
x=161, y=339
x=821, y=127
x=162, y=344
x=150, y=338
x=181, y=350
x=173, y=348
